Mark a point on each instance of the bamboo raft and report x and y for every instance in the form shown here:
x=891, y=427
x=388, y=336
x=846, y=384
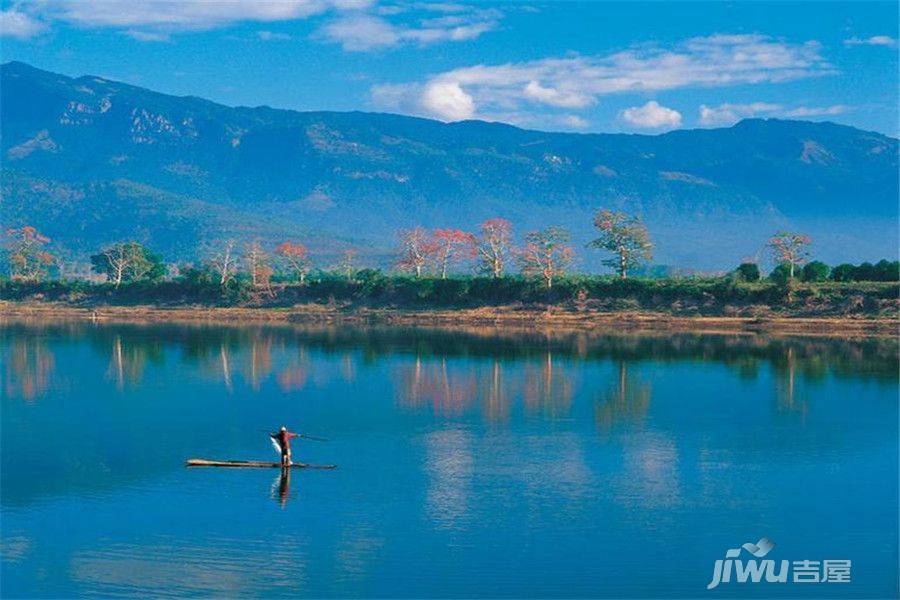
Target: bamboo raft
x=202, y=462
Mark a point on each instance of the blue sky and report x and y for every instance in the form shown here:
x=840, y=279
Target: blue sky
x=591, y=66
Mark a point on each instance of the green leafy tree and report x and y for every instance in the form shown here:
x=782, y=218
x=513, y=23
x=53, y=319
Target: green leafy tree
x=843, y=272
x=815, y=271
x=127, y=262
x=747, y=271
x=864, y=272
x=886, y=270
x=626, y=237
x=781, y=274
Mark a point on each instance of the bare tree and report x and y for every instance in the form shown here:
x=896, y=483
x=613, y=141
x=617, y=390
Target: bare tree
x=449, y=246
x=547, y=254
x=347, y=263
x=493, y=246
x=416, y=247
x=118, y=260
x=790, y=249
x=296, y=257
x=258, y=264
x=224, y=263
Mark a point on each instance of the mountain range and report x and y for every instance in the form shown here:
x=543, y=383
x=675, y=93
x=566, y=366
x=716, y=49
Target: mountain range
x=90, y=161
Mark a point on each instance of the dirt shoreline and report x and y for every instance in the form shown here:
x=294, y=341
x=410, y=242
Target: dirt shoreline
x=555, y=318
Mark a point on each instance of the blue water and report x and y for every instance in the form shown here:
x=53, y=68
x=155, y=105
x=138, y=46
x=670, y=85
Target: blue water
x=471, y=463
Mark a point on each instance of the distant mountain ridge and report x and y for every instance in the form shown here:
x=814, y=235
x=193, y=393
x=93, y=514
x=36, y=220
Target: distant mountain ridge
x=90, y=161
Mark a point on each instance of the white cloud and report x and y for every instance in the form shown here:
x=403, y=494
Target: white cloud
x=577, y=81
x=16, y=24
x=272, y=35
x=729, y=114
x=816, y=111
x=875, y=40
x=575, y=122
x=361, y=31
x=556, y=97
x=147, y=36
x=448, y=99
x=652, y=116
x=155, y=20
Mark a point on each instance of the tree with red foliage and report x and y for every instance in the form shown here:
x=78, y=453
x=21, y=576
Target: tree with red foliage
x=416, y=247
x=547, y=254
x=258, y=264
x=790, y=249
x=493, y=246
x=27, y=257
x=450, y=245
x=296, y=258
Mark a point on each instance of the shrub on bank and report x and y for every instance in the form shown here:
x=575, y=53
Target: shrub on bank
x=706, y=295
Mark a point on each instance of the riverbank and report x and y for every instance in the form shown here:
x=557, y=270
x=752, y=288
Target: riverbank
x=507, y=317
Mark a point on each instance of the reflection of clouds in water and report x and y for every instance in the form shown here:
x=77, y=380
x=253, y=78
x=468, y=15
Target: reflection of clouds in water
x=13, y=548
x=650, y=476
x=556, y=467
x=357, y=549
x=449, y=465
x=219, y=568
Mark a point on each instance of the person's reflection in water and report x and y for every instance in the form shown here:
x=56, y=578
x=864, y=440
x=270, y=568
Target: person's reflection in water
x=283, y=486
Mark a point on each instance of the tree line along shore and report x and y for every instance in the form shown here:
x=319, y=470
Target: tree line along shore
x=427, y=275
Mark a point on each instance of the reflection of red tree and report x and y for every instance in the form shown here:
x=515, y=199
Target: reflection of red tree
x=432, y=383
x=292, y=378
x=295, y=374
x=28, y=369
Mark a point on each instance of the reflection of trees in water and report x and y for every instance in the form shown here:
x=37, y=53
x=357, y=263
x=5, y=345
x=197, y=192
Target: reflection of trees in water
x=494, y=393
x=29, y=366
x=128, y=359
x=548, y=386
x=431, y=375
x=430, y=382
x=627, y=400
x=260, y=364
x=785, y=371
x=348, y=367
x=293, y=375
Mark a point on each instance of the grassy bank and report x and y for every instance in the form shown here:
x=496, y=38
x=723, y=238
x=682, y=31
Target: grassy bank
x=677, y=297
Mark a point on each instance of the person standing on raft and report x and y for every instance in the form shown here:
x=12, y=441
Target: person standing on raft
x=282, y=443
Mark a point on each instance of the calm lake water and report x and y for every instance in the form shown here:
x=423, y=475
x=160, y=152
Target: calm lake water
x=472, y=463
